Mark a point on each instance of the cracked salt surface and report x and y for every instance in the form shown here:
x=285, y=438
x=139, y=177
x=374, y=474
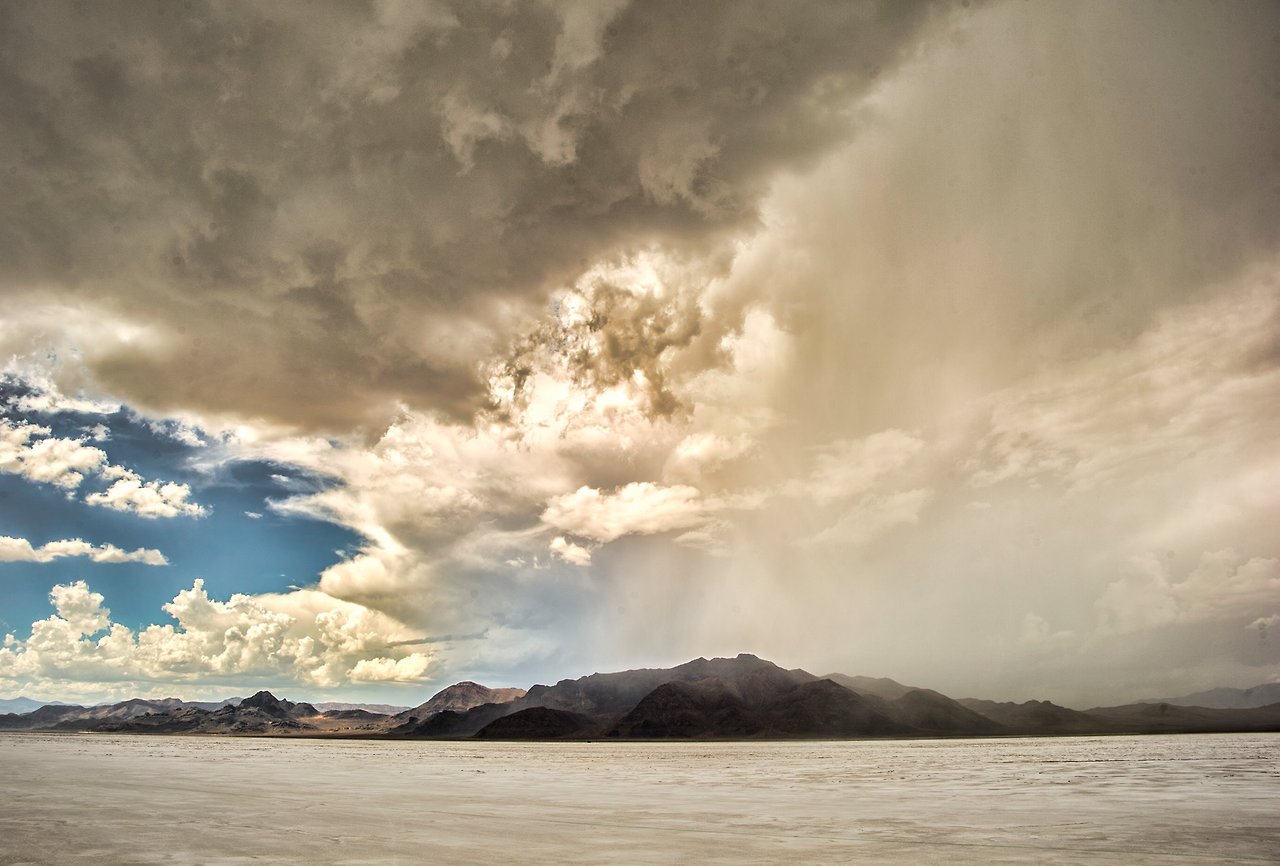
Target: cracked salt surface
x=1159, y=799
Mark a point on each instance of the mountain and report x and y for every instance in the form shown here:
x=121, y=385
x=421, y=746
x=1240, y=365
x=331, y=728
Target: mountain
x=376, y=709
x=460, y=697
x=1226, y=698
x=1173, y=719
x=929, y=712
x=1037, y=717
x=689, y=709
x=40, y=719
x=606, y=697
x=740, y=697
x=536, y=723
x=261, y=713
x=273, y=706
x=23, y=705
x=711, y=708
x=922, y=710
x=881, y=687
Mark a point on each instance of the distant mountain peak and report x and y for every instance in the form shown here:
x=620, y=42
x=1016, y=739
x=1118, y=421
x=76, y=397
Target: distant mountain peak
x=463, y=696
x=263, y=700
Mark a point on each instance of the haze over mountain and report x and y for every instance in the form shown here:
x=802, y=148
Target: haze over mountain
x=21, y=704
x=1226, y=698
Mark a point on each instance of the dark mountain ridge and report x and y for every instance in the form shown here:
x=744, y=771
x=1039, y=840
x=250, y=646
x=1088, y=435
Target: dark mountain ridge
x=741, y=697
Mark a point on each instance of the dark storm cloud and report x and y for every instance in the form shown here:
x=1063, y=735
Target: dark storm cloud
x=321, y=209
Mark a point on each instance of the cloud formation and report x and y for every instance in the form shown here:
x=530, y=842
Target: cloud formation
x=639, y=508
x=48, y=460
x=129, y=492
x=313, y=234
x=28, y=450
x=302, y=638
x=21, y=550
x=626, y=333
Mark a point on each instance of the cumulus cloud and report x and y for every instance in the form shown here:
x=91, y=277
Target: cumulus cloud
x=302, y=637
x=28, y=450
x=410, y=669
x=21, y=550
x=130, y=493
x=570, y=552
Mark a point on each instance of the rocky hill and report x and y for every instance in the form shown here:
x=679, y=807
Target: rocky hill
x=459, y=697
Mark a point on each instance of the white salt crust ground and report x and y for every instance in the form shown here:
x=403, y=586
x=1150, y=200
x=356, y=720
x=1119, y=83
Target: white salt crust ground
x=143, y=799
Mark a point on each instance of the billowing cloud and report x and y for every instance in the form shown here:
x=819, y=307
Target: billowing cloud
x=384, y=215
x=28, y=450
x=129, y=492
x=21, y=550
x=570, y=552
x=639, y=508
x=301, y=637
x=410, y=669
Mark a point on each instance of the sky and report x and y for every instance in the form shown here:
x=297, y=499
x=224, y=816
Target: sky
x=354, y=349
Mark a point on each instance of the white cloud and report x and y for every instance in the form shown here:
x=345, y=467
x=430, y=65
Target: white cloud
x=48, y=403
x=49, y=460
x=28, y=450
x=410, y=669
x=701, y=454
x=570, y=552
x=301, y=637
x=80, y=608
x=130, y=493
x=179, y=431
x=21, y=550
x=638, y=508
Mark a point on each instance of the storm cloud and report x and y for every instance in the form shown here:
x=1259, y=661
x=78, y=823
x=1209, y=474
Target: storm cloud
x=316, y=211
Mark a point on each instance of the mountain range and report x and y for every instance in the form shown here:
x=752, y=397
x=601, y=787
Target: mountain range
x=1226, y=699
x=741, y=698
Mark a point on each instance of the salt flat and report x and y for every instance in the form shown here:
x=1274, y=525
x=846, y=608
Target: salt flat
x=136, y=799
